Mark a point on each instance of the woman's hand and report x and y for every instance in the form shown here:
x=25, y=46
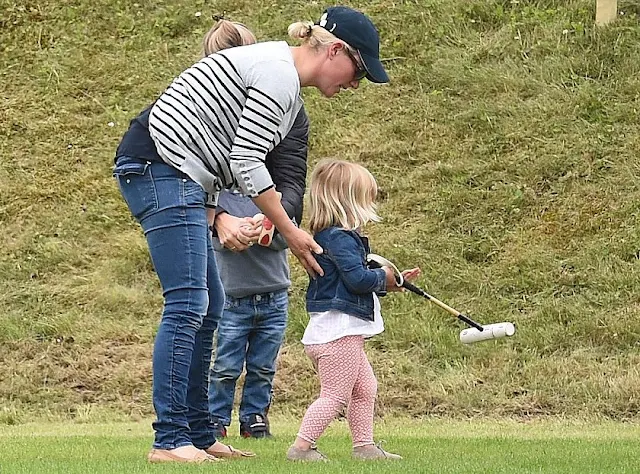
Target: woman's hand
x=236, y=233
x=300, y=242
x=304, y=248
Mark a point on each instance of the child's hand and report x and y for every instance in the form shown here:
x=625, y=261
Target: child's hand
x=265, y=228
x=392, y=284
x=410, y=275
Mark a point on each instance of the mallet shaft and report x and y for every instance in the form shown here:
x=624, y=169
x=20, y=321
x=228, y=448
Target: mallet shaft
x=419, y=291
x=462, y=317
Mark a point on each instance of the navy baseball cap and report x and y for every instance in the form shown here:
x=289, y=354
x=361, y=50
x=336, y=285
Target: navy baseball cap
x=354, y=28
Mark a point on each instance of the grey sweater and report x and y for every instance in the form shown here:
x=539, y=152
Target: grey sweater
x=256, y=270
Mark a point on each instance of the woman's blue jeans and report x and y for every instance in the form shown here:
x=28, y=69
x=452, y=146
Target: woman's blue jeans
x=250, y=333
x=170, y=207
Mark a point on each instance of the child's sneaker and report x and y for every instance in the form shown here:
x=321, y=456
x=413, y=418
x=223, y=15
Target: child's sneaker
x=311, y=454
x=256, y=427
x=373, y=451
x=219, y=430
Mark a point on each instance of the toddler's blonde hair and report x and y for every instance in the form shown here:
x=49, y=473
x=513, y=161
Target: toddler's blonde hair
x=342, y=194
x=226, y=34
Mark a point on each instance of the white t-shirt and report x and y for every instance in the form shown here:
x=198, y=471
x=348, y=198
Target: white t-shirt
x=332, y=325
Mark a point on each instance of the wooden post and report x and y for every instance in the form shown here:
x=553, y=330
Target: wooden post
x=606, y=11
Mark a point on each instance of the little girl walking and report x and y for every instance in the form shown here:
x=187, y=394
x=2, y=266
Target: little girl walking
x=344, y=309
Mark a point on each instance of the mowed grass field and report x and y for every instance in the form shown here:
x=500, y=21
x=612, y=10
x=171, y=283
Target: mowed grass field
x=435, y=446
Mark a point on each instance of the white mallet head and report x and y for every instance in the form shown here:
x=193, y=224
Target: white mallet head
x=490, y=331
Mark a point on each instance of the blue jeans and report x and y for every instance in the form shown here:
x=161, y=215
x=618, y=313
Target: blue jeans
x=170, y=207
x=251, y=330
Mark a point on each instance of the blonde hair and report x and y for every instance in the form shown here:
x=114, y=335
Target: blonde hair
x=315, y=36
x=226, y=34
x=342, y=194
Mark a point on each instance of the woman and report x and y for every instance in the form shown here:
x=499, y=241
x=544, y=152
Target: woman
x=218, y=119
x=212, y=129
x=137, y=151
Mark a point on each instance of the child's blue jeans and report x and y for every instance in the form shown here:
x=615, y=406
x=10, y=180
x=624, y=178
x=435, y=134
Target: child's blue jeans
x=251, y=330
x=170, y=207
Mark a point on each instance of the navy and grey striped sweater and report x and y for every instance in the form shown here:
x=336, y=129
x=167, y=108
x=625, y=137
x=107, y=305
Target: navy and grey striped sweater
x=219, y=118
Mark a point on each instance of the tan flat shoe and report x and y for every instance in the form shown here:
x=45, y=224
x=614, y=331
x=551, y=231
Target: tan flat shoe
x=228, y=452
x=311, y=454
x=373, y=451
x=169, y=455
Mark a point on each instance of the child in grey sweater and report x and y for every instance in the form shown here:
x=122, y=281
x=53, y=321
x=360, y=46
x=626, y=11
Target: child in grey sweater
x=252, y=327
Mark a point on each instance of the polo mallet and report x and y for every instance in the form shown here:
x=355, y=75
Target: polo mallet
x=476, y=333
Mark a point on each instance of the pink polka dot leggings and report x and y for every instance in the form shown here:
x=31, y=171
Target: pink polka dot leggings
x=346, y=379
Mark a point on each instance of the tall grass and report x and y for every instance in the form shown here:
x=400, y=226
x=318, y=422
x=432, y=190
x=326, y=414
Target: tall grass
x=506, y=149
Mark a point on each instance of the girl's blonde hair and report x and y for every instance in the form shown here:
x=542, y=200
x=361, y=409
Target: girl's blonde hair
x=226, y=34
x=315, y=36
x=342, y=194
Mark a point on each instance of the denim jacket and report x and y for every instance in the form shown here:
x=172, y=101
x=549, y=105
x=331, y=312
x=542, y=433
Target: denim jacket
x=347, y=285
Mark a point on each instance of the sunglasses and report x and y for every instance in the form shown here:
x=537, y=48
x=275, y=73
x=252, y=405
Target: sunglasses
x=361, y=72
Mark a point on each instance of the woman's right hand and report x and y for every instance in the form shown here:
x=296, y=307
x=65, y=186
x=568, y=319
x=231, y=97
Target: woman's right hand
x=300, y=242
x=304, y=248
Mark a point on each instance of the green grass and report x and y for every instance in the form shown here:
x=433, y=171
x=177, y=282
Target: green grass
x=558, y=446
x=506, y=147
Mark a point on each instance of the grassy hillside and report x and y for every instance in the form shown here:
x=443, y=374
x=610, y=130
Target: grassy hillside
x=506, y=147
